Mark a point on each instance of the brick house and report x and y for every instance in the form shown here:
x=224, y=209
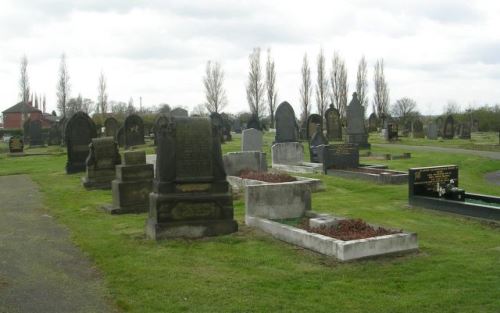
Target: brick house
x=15, y=116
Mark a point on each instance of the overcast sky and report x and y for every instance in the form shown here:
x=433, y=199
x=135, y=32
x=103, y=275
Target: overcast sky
x=434, y=51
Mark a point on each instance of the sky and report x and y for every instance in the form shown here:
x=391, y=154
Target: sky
x=434, y=51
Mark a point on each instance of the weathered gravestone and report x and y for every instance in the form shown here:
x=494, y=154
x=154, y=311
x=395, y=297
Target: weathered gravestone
x=54, y=135
x=254, y=123
x=133, y=131
x=318, y=139
x=356, y=132
x=35, y=133
x=339, y=156
x=432, y=131
x=372, y=122
x=191, y=196
x=218, y=125
x=79, y=131
x=333, y=124
x=465, y=131
x=440, y=125
x=236, y=162
x=312, y=121
x=291, y=153
x=391, y=133
x=251, y=140
x=16, y=144
x=449, y=128
x=160, y=120
x=418, y=129
x=101, y=161
x=132, y=185
x=111, y=127
x=286, y=125
x=179, y=112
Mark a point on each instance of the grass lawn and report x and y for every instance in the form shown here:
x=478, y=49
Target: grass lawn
x=479, y=141
x=456, y=270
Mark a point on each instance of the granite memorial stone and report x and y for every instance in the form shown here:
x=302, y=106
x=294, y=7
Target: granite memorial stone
x=449, y=128
x=356, y=132
x=79, y=131
x=101, y=161
x=111, y=127
x=333, y=124
x=312, y=121
x=286, y=125
x=133, y=128
x=251, y=140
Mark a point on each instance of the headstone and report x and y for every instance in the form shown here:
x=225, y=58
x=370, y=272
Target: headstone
x=291, y=153
x=372, y=122
x=254, y=122
x=440, y=126
x=431, y=181
x=179, y=112
x=333, y=124
x=16, y=144
x=475, y=125
x=449, y=128
x=235, y=162
x=312, y=121
x=226, y=127
x=132, y=185
x=26, y=130
x=317, y=140
x=101, y=161
x=465, y=131
x=35, y=133
x=356, y=132
x=218, y=125
x=133, y=131
x=286, y=125
x=79, y=131
x=111, y=127
x=161, y=119
x=418, y=129
x=191, y=196
x=251, y=140
x=407, y=128
x=54, y=135
x=391, y=133
x=340, y=156
x=432, y=131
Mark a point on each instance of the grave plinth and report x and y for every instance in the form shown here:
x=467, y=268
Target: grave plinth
x=191, y=196
x=133, y=184
x=101, y=162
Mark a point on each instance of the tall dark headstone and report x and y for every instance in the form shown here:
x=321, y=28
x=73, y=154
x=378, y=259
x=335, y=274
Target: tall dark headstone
x=333, y=124
x=79, y=131
x=26, y=130
x=317, y=139
x=356, y=132
x=120, y=137
x=449, y=128
x=160, y=119
x=312, y=121
x=36, y=136
x=372, y=122
x=440, y=126
x=418, y=129
x=391, y=132
x=286, y=125
x=133, y=131
x=226, y=127
x=475, y=126
x=218, y=125
x=465, y=131
x=339, y=156
x=111, y=127
x=55, y=135
x=100, y=164
x=16, y=144
x=431, y=181
x=179, y=112
x=191, y=196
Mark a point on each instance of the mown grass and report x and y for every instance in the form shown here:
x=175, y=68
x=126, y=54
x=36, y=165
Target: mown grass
x=456, y=270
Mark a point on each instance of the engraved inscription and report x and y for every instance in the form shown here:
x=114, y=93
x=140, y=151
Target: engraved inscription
x=194, y=149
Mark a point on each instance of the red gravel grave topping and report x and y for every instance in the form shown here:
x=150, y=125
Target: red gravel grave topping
x=267, y=177
x=350, y=229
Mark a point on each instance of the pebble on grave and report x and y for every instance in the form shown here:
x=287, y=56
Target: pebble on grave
x=101, y=161
x=133, y=184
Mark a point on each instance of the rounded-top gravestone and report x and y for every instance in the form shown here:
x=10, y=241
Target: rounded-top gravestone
x=372, y=122
x=333, y=124
x=286, y=125
x=312, y=121
x=356, y=132
x=179, y=112
x=160, y=119
x=449, y=128
x=35, y=133
x=79, y=131
x=133, y=131
x=111, y=127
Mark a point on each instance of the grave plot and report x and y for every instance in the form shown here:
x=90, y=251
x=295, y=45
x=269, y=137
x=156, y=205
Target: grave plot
x=250, y=168
x=343, y=160
x=289, y=157
x=287, y=216
x=437, y=188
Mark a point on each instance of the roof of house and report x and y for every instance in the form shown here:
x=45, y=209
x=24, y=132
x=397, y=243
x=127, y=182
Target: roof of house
x=50, y=117
x=21, y=107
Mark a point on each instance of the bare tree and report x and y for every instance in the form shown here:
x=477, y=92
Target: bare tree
x=404, y=109
x=362, y=82
x=381, y=96
x=321, y=85
x=255, y=85
x=338, y=81
x=102, y=95
x=130, y=107
x=272, y=93
x=200, y=110
x=215, y=94
x=452, y=107
x=305, y=88
x=63, y=86
x=24, y=83
x=119, y=108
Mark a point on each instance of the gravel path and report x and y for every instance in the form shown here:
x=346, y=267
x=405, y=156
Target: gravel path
x=40, y=268
x=486, y=154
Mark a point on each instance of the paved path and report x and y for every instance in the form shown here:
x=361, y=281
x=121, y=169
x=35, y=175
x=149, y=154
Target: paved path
x=40, y=269
x=486, y=154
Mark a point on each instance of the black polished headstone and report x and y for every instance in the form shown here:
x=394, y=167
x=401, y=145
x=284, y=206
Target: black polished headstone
x=356, y=132
x=79, y=131
x=391, y=133
x=111, y=127
x=430, y=181
x=286, y=125
x=133, y=131
x=449, y=128
x=339, y=156
x=333, y=124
